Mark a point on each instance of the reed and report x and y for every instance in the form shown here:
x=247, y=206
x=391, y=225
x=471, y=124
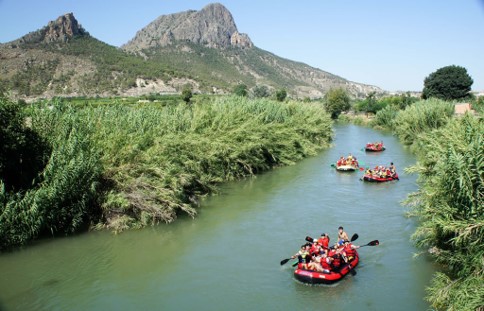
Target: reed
x=421, y=117
x=385, y=117
x=63, y=196
x=450, y=208
x=148, y=163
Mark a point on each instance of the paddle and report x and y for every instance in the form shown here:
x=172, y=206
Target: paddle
x=284, y=261
x=372, y=243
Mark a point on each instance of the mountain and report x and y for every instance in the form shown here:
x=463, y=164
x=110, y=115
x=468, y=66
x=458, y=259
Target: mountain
x=203, y=49
x=213, y=26
x=207, y=45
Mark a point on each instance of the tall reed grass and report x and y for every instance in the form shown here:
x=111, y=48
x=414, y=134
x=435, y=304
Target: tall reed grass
x=63, y=197
x=421, y=117
x=450, y=208
x=153, y=162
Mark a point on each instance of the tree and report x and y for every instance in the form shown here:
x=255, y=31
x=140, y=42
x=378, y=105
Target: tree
x=261, y=91
x=281, y=95
x=240, y=90
x=447, y=83
x=336, y=101
x=187, y=94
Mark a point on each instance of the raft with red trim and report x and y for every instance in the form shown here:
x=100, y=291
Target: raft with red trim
x=314, y=277
x=373, y=148
x=375, y=178
x=346, y=168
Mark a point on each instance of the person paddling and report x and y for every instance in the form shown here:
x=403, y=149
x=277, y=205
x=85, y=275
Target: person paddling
x=393, y=169
x=303, y=256
x=349, y=251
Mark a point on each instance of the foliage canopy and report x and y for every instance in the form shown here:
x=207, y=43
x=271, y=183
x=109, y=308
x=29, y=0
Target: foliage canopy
x=281, y=95
x=448, y=83
x=241, y=90
x=336, y=101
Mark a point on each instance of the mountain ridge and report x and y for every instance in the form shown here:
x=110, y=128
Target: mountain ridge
x=203, y=49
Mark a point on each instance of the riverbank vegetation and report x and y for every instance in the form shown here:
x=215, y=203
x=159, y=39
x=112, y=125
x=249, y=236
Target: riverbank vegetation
x=449, y=204
x=130, y=165
x=450, y=208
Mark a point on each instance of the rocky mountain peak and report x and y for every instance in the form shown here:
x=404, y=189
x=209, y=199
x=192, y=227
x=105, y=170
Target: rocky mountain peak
x=213, y=26
x=62, y=29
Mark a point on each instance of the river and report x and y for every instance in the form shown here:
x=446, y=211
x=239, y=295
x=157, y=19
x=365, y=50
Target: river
x=227, y=258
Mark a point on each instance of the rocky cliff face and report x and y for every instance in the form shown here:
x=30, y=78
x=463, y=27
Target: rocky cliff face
x=213, y=26
x=63, y=29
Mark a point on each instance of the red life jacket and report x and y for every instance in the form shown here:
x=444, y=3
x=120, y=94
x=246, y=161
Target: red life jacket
x=350, y=252
x=313, y=250
x=325, y=264
x=337, y=261
x=324, y=242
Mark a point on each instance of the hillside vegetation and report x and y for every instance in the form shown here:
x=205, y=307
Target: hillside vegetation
x=123, y=166
x=202, y=49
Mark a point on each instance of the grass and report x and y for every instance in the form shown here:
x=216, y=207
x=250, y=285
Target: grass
x=133, y=165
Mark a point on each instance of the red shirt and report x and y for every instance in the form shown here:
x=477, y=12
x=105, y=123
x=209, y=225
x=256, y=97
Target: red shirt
x=324, y=241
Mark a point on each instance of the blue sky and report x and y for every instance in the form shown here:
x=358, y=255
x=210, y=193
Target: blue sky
x=388, y=43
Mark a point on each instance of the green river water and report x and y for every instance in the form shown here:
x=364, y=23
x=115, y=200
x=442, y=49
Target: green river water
x=228, y=257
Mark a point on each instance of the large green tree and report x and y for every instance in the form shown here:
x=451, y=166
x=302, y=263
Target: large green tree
x=336, y=101
x=450, y=82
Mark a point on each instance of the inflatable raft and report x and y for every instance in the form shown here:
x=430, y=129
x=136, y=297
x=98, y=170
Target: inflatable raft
x=375, y=178
x=374, y=149
x=313, y=277
x=346, y=168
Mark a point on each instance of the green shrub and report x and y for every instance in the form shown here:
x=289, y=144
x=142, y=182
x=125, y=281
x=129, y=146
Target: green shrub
x=23, y=153
x=158, y=159
x=64, y=196
x=385, y=118
x=421, y=117
x=450, y=207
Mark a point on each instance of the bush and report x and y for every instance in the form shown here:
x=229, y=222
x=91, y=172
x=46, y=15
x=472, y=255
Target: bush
x=158, y=159
x=240, y=90
x=421, y=117
x=186, y=95
x=385, y=118
x=63, y=198
x=450, y=207
x=281, y=95
x=261, y=91
x=23, y=154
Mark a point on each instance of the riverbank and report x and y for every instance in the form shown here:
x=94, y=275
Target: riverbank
x=450, y=203
x=147, y=163
x=222, y=260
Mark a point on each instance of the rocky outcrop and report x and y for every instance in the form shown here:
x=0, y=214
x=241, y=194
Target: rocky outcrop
x=213, y=26
x=63, y=29
x=241, y=40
